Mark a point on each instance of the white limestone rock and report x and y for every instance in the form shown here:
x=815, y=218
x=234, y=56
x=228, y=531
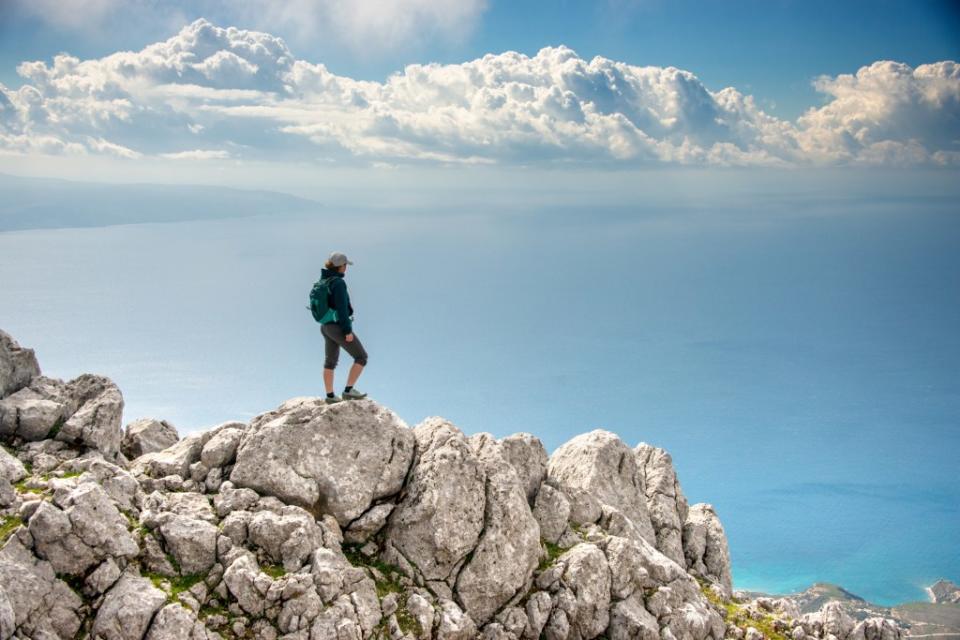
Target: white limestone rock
x=364, y=527
x=18, y=365
x=96, y=422
x=11, y=469
x=599, y=464
x=221, y=449
x=28, y=415
x=454, y=624
x=176, y=622
x=507, y=551
x=666, y=503
x=552, y=512
x=192, y=543
x=335, y=459
x=705, y=547
x=175, y=460
x=290, y=538
x=526, y=453
x=582, y=603
x=629, y=620
x=247, y=584
x=439, y=517
x=82, y=530
x=147, y=435
x=127, y=609
x=43, y=606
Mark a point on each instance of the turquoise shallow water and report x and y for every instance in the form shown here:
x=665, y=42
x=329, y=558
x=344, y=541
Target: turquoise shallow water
x=802, y=369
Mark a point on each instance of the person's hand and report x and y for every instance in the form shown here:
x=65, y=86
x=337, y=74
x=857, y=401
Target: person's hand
x=349, y=337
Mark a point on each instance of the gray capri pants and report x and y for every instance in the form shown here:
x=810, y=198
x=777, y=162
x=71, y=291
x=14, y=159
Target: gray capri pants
x=333, y=339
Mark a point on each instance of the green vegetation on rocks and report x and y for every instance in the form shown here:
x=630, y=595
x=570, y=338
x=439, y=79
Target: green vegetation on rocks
x=8, y=525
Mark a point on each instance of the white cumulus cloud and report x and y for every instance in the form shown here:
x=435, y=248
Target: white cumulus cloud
x=209, y=88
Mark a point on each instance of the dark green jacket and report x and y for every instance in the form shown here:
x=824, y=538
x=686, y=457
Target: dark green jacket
x=340, y=301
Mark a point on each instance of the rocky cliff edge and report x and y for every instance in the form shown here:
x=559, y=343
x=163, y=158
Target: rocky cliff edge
x=317, y=521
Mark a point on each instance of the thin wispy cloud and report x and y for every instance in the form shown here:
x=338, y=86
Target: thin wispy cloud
x=213, y=93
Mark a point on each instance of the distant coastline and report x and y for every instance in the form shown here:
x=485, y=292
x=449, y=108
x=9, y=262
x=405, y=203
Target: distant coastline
x=935, y=617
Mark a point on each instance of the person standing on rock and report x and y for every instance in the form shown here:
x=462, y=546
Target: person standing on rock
x=339, y=332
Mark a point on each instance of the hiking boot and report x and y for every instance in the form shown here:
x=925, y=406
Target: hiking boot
x=332, y=400
x=353, y=394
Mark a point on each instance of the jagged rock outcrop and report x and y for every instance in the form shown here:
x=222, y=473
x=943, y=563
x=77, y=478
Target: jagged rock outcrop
x=317, y=522
x=17, y=365
x=705, y=547
x=665, y=500
x=599, y=474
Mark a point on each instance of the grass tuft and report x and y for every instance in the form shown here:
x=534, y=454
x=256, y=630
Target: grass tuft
x=274, y=570
x=23, y=488
x=8, y=525
x=554, y=551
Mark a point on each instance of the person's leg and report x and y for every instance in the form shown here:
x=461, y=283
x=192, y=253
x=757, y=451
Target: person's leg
x=331, y=352
x=359, y=354
x=355, y=370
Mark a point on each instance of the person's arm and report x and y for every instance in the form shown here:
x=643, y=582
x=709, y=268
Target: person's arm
x=341, y=302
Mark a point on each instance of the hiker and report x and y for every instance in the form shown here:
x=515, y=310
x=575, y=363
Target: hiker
x=339, y=331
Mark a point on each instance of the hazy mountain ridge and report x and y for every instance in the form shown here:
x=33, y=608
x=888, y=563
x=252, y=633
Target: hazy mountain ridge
x=40, y=203
x=317, y=521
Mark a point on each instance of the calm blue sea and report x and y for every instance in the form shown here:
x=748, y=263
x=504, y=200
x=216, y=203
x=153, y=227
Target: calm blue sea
x=801, y=366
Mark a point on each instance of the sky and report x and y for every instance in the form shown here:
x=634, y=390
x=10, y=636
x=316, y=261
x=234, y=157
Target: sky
x=216, y=86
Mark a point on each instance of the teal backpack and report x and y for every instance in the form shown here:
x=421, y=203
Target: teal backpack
x=319, y=301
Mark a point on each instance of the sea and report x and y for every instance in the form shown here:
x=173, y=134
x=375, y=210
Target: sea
x=801, y=364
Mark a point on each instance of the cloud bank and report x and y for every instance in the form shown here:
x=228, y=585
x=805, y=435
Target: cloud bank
x=225, y=94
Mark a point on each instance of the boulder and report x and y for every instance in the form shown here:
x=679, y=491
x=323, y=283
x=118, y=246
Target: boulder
x=17, y=365
x=601, y=466
x=28, y=415
x=501, y=565
x=147, y=435
x=582, y=608
x=289, y=538
x=552, y=511
x=221, y=449
x=371, y=522
x=247, y=584
x=96, y=422
x=83, y=529
x=176, y=622
x=43, y=606
x=175, y=460
x=526, y=453
x=11, y=469
x=454, y=624
x=192, y=543
x=335, y=459
x=438, y=520
x=127, y=609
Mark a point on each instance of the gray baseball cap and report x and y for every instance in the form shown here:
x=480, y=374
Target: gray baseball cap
x=338, y=259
